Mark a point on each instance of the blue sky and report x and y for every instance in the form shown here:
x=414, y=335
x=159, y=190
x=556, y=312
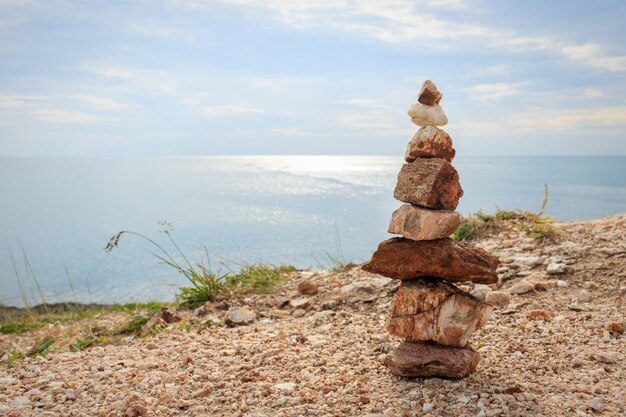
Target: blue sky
x=309, y=77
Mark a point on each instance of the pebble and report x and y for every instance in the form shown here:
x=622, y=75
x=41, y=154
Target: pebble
x=561, y=284
x=584, y=296
x=522, y=287
x=596, y=405
x=480, y=291
x=607, y=356
x=529, y=261
x=499, y=298
x=19, y=402
x=556, y=268
x=286, y=387
x=615, y=327
x=239, y=316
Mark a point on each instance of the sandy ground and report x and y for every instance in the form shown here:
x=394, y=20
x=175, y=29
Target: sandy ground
x=547, y=353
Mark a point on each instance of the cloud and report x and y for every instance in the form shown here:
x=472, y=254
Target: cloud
x=397, y=21
x=494, y=91
x=291, y=132
x=101, y=103
x=56, y=115
x=592, y=93
x=367, y=103
x=15, y=102
x=219, y=111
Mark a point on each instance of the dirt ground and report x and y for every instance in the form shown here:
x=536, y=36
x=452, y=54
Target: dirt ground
x=556, y=349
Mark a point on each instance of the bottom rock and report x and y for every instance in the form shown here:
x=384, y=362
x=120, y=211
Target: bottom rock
x=428, y=359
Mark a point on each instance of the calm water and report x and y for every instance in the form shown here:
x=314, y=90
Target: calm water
x=245, y=209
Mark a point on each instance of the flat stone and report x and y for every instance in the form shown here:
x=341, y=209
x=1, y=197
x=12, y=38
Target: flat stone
x=522, y=287
x=417, y=223
x=429, y=182
x=556, y=268
x=430, y=142
x=239, y=316
x=429, y=94
x=307, y=288
x=423, y=115
x=405, y=259
x=480, y=291
x=431, y=309
x=499, y=298
x=427, y=359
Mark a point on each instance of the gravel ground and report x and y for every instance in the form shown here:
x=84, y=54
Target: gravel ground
x=554, y=350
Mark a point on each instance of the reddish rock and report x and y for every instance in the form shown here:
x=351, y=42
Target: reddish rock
x=417, y=223
x=429, y=94
x=308, y=288
x=405, y=260
x=431, y=309
x=429, y=182
x=430, y=142
x=427, y=359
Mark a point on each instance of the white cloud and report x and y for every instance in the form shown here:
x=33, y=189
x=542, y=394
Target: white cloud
x=55, y=115
x=367, y=103
x=494, y=91
x=291, y=132
x=14, y=102
x=101, y=103
x=218, y=111
x=398, y=21
x=592, y=93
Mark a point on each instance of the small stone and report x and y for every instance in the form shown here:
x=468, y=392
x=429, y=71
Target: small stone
x=299, y=312
x=538, y=315
x=522, y=287
x=561, y=284
x=596, y=404
x=432, y=309
x=285, y=387
x=423, y=115
x=307, y=288
x=556, y=268
x=529, y=261
x=499, y=298
x=584, y=296
x=405, y=259
x=301, y=302
x=590, y=285
x=417, y=223
x=615, y=327
x=607, y=356
x=426, y=359
x=430, y=142
x=429, y=182
x=429, y=94
x=20, y=402
x=427, y=407
x=239, y=316
x=480, y=291
x=151, y=346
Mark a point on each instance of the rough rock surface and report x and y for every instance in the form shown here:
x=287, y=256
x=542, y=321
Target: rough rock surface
x=417, y=223
x=429, y=94
x=423, y=115
x=427, y=359
x=429, y=182
x=405, y=259
x=430, y=142
x=431, y=309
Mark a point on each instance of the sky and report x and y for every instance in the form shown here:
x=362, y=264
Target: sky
x=194, y=77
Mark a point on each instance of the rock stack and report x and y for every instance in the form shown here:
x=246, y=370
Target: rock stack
x=435, y=317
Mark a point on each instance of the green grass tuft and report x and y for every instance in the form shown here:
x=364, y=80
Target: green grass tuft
x=535, y=225
x=134, y=326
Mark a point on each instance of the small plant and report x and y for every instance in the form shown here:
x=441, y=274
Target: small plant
x=42, y=346
x=134, y=326
x=18, y=327
x=337, y=262
x=532, y=224
x=12, y=357
x=89, y=341
x=256, y=277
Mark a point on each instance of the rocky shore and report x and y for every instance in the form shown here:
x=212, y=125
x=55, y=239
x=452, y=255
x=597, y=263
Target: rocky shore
x=555, y=345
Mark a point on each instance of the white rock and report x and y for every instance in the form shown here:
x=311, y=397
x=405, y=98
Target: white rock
x=607, y=356
x=19, y=402
x=480, y=291
x=584, y=296
x=423, y=115
x=561, y=284
x=596, y=405
x=287, y=387
x=556, y=268
x=529, y=261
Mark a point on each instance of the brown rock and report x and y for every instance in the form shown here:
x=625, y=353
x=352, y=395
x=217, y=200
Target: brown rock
x=615, y=327
x=431, y=309
x=429, y=182
x=405, y=260
x=417, y=223
x=427, y=359
x=308, y=288
x=429, y=94
x=430, y=142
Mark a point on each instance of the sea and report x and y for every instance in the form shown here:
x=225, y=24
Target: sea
x=57, y=214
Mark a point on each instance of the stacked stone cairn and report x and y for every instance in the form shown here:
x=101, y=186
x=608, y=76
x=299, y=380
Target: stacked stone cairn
x=435, y=317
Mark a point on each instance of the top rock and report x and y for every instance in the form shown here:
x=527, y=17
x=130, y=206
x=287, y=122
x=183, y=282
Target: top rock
x=429, y=94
